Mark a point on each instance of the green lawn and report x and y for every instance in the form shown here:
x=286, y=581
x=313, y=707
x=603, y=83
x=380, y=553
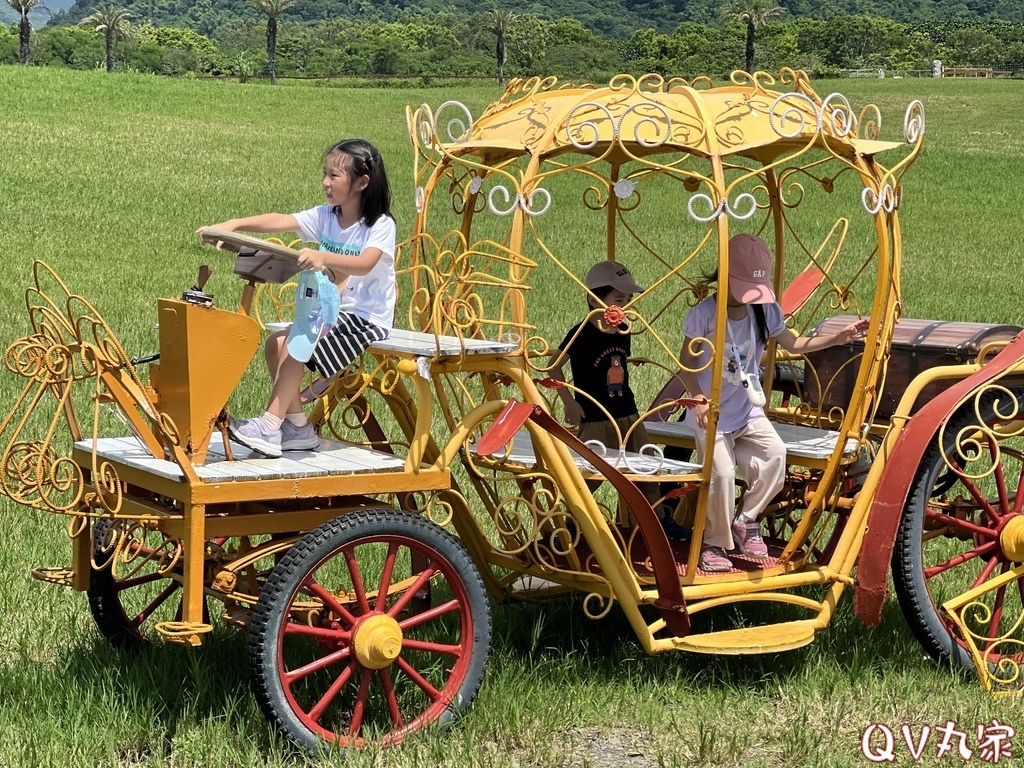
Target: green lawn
x=107, y=177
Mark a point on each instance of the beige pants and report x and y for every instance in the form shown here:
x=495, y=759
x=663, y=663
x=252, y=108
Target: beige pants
x=759, y=454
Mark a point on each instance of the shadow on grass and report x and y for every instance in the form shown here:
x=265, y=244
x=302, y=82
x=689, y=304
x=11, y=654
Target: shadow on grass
x=560, y=633
x=174, y=687
x=164, y=690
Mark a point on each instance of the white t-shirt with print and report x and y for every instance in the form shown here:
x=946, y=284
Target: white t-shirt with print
x=370, y=296
x=743, y=352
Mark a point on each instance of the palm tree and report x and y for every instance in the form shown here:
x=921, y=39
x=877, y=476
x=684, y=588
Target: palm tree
x=24, y=8
x=500, y=21
x=273, y=9
x=113, y=23
x=752, y=13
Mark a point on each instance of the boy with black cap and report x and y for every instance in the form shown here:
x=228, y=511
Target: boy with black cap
x=604, y=406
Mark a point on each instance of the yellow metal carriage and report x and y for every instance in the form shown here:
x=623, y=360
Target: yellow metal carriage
x=364, y=571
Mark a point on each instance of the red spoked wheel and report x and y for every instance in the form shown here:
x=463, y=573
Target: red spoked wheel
x=342, y=648
x=963, y=527
x=129, y=597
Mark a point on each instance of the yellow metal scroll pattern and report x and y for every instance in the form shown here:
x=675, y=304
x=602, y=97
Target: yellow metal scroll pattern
x=32, y=472
x=70, y=343
x=997, y=659
x=530, y=521
x=468, y=291
x=976, y=454
x=976, y=450
x=131, y=549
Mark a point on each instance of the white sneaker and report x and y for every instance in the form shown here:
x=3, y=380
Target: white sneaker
x=302, y=438
x=252, y=433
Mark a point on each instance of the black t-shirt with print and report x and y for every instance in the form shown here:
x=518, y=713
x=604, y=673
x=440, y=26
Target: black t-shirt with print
x=598, y=363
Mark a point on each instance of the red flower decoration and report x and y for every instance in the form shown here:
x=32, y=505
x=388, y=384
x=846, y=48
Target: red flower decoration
x=614, y=316
x=680, y=492
x=549, y=383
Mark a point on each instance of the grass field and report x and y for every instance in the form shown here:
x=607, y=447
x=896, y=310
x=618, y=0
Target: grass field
x=107, y=177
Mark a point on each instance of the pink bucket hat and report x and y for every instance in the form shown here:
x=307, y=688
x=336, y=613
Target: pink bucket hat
x=750, y=270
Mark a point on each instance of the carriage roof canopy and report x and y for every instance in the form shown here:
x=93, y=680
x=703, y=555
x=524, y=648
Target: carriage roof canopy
x=651, y=115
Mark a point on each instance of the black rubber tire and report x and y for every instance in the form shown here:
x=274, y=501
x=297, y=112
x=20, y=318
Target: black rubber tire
x=317, y=548
x=106, y=607
x=908, y=563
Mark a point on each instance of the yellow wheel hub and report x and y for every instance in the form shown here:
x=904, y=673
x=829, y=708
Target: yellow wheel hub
x=378, y=641
x=1011, y=539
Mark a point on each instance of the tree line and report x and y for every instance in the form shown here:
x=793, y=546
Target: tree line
x=445, y=44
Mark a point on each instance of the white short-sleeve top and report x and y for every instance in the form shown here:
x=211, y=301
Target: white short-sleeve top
x=370, y=296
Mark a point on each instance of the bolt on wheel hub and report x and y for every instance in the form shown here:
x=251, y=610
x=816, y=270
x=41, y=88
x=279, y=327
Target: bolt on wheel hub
x=378, y=641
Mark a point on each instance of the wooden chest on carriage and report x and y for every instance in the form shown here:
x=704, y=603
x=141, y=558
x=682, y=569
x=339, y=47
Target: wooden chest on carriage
x=917, y=345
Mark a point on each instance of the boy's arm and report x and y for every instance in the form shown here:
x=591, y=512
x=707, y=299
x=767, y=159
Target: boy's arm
x=573, y=410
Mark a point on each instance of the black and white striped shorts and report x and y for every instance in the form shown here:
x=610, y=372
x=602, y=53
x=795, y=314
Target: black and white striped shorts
x=348, y=339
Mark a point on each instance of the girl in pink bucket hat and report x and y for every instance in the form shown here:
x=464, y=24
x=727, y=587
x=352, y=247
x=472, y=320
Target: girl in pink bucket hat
x=744, y=439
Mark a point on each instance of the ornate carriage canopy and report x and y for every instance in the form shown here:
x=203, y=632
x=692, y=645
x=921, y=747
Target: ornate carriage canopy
x=513, y=206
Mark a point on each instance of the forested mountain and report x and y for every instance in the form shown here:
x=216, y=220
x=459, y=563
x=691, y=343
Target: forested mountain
x=8, y=14
x=614, y=18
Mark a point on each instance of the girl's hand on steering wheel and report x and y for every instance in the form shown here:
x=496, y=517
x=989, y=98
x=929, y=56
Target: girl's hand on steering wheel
x=224, y=225
x=311, y=259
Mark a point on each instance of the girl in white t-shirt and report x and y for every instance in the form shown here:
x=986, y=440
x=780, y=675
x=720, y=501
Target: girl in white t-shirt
x=356, y=233
x=745, y=439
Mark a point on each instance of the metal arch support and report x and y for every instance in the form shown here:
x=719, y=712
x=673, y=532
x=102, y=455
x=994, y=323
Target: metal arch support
x=898, y=474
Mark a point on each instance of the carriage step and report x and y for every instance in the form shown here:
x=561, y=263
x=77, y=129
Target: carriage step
x=63, y=577
x=766, y=639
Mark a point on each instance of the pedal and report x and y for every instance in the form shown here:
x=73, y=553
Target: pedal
x=197, y=293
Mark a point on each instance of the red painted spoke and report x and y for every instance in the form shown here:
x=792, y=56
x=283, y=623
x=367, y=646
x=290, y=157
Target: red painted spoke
x=293, y=628
x=329, y=600
x=321, y=706
x=986, y=571
x=935, y=570
x=417, y=678
x=963, y=525
x=157, y=602
x=433, y=613
x=360, y=707
x=385, y=577
x=994, y=516
x=422, y=645
x=410, y=593
x=120, y=586
x=389, y=695
x=357, y=579
x=1004, y=499
x=316, y=666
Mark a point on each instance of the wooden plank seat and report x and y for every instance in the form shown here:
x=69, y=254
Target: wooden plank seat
x=806, y=446
x=333, y=458
x=421, y=344
x=520, y=454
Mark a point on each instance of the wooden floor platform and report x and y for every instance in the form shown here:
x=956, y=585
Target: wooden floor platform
x=521, y=454
x=421, y=344
x=332, y=458
x=801, y=442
